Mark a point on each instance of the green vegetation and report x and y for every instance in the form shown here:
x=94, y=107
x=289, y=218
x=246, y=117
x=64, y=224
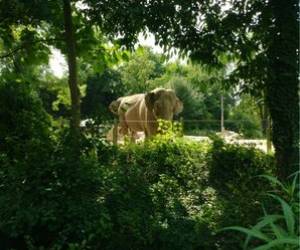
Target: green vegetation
x=259, y=37
x=162, y=194
x=278, y=230
x=101, y=90
x=199, y=89
x=62, y=186
x=142, y=67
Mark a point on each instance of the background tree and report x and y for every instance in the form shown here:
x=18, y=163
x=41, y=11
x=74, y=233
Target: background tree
x=200, y=92
x=101, y=90
x=244, y=117
x=30, y=28
x=72, y=66
x=261, y=36
x=142, y=67
x=36, y=18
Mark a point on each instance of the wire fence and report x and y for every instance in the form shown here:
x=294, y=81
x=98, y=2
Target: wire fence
x=175, y=120
x=205, y=124
x=110, y=130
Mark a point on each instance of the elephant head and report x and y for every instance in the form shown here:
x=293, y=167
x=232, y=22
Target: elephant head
x=164, y=103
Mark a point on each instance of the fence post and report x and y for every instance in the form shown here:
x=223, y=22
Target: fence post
x=115, y=132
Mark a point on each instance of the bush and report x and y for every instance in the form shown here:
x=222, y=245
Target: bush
x=157, y=193
x=170, y=193
x=234, y=172
x=237, y=167
x=24, y=125
x=51, y=202
x=280, y=229
x=46, y=198
x=165, y=193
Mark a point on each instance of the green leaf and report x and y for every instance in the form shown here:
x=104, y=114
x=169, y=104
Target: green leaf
x=297, y=173
x=125, y=56
x=278, y=231
x=288, y=214
x=275, y=181
x=265, y=221
x=279, y=242
x=294, y=183
x=251, y=232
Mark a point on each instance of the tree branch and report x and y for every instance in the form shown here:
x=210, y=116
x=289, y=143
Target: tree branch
x=12, y=52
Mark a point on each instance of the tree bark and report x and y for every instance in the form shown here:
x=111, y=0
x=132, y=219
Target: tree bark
x=282, y=86
x=72, y=66
x=268, y=133
x=266, y=123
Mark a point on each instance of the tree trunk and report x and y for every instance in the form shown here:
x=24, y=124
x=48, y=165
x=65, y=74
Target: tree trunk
x=261, y=111
x=282, y=86
x=268, y=133
x=222, y=114
x=266, y=123
x=71, y=56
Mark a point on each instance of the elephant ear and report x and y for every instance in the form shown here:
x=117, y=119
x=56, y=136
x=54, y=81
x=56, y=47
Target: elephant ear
x=178, y=106
x=150, y=99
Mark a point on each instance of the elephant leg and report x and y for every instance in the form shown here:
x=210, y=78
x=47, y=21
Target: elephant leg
x=123, y=125
x=133, y=136
x=151, y=129
x=146, y=134
x=146, y=131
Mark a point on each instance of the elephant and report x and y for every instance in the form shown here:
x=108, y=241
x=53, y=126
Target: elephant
x=120, y=106
x=120, y=135
x=140, y=112
x=123, y=103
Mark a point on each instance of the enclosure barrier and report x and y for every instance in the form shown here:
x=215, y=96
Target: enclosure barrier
x=199, y=130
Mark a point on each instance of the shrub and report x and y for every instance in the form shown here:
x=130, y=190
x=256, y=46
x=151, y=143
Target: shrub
x=278, y=230
x=51, y=202
x=234, y=169
x=46, y=198
x=24, y=125
x=165, y=193
x=156, y=193
x=234, y=172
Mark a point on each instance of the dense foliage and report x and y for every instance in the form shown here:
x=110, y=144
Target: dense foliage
x=101, y=90
x=199, y=89
x=63, y=187
x=41, y=184
x=161, y=194
x=260, y=37
x=142, y=67
x=234, y=175
x=277, y=230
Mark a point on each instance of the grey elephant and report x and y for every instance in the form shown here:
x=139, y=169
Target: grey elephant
x=140, y=112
